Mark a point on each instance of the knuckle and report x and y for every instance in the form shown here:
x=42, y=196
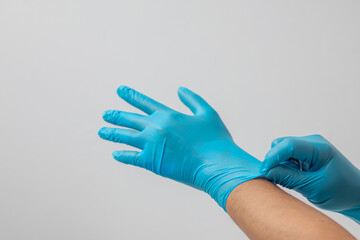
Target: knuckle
x=275, y=141
x=118, y=138
x=112, y=136
x=326, y=148
x=318, y=136
x=290, y=142
x=118, y=115
x=169, y=117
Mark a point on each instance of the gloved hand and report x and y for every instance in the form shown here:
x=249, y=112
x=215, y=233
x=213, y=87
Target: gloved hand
x=196, y=150
x=316, y=169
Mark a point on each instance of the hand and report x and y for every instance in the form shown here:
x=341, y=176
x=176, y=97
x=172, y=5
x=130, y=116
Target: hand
x=196, y=149
x=317, y=170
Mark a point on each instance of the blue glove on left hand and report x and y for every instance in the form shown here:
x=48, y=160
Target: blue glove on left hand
x=194, y=149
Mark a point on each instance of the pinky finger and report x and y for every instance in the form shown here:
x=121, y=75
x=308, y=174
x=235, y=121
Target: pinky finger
x=128, y=157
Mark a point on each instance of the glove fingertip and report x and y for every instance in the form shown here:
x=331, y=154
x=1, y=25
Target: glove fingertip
x=275, y=175
x=123, y=91
x=107, y=115
x=181, y=88
x=121, y=87
x=263, y=167
x=183, y=91
x=103, y=132
x=116, y=155
x=269, y=163
x=272, y=172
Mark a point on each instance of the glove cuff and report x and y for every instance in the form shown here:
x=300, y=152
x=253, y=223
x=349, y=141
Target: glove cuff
x=353, y=213
x=219, y=188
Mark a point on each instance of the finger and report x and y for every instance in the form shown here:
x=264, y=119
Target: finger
x=194, y=102
x=277, y=141
x=125, y=136
x=128, y=157
x=125, y=119
x=290, y=148
x=314, y=137
x=289, y=177
x=139, y=100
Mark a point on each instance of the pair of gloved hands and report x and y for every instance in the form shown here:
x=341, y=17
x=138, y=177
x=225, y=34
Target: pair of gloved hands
x=199, y=151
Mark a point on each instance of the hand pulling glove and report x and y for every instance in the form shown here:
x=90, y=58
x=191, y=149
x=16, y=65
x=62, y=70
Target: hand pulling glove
x=315, y=168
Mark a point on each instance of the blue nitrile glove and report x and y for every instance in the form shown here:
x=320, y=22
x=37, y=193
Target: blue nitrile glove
x=315, y=168
x=196, y=150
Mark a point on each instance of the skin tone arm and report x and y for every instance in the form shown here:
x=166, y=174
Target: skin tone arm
x=264, y=211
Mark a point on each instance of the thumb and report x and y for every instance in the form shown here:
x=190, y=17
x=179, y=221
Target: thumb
x=194, y=102
x=290, y=178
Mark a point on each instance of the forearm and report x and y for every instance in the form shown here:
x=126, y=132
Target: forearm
x=264, y=211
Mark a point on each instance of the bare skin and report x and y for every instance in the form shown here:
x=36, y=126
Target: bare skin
x=264, y=211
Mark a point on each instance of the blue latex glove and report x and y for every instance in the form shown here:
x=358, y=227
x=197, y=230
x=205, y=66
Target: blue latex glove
x=196, y=150
x=316, y=169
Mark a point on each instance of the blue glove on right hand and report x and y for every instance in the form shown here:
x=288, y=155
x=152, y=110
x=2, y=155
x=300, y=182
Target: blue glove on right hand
x=316, y=169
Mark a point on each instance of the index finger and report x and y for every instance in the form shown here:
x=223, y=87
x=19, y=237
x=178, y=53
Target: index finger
x=139, y=100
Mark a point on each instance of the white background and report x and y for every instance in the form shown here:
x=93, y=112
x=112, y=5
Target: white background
x=270, y=68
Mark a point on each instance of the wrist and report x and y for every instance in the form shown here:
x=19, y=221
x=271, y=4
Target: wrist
x=229, y=166
x=224, y=182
